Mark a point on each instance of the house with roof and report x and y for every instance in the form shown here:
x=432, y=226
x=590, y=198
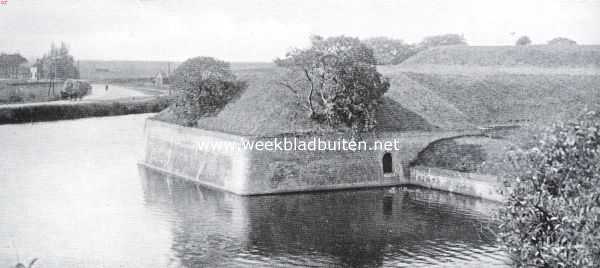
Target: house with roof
x=216, y=153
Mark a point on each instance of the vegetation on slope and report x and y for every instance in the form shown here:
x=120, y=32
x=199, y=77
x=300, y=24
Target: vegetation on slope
x=204, y=86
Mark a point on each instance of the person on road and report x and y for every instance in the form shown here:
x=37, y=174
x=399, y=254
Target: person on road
x=106, y=88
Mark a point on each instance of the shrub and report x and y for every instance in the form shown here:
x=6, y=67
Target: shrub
x=552, y=217
x=562, y=41
x=442, y=40
x=336, y=80
x=523, y=41
x=75, y=89
x=204, y=86
x=50, y=112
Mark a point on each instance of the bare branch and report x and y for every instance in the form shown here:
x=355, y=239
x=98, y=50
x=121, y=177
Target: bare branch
x=288, y=86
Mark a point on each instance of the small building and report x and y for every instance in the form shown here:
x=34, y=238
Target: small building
x=34, y=73
x=160, y=79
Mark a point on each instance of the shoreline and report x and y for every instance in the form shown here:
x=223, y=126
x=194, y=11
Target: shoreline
x=63, y=110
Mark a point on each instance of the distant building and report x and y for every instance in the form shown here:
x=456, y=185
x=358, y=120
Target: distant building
x=160, y=79
x=34, y=73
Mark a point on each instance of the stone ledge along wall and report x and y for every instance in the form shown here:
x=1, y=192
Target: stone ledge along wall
x=187, y=152
x=471, y=184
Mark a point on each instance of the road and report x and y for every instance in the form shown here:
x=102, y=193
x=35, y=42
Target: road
x=114, y=92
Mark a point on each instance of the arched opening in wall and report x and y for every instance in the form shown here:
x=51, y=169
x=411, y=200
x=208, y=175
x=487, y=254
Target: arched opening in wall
x=387, y=164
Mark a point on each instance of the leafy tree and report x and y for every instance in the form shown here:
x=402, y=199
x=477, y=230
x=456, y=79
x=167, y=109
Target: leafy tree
x=523, y=41
x=58, y=63
x=562, y=41
x=10, y=64
x=204, y=86
x=552, y=217
x=336, y=80
x=390, y=51
x=442, y=40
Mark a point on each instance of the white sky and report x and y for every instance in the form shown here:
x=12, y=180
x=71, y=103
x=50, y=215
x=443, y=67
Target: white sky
x=260, y=30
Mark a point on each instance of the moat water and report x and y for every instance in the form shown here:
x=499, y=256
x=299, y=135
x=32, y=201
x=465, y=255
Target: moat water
x=72, y=195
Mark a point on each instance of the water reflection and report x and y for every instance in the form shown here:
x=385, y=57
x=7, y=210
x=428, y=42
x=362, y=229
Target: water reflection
x=378, y=227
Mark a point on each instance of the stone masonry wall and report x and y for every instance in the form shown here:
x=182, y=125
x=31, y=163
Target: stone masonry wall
x=190, y=153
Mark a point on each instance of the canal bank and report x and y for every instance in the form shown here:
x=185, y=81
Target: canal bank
x=62, y=110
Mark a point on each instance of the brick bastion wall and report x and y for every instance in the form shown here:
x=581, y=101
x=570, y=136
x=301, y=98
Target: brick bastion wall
x=191, y=153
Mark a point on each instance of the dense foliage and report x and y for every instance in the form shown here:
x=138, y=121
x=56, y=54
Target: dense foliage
x=562, y=41
x=57, y=64
x=442, y=40
x=11, y=65
x=51, y=112
x=390, y=51
x=204, y=86
x=552, y=217
x=523, y=41
x=336, y=81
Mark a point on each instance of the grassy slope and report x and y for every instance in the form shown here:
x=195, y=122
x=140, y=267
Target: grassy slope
x=505, y=84
x=266, y=108
x=502, y=98
x=501, y=85
x=263, y=108
x=423, y=101
x=536, y=55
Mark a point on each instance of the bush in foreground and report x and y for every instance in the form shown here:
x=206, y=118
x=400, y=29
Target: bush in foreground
x=552, y=217
x=204, y=86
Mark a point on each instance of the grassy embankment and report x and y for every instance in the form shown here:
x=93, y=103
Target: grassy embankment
x=529, y=87
x=451, y=88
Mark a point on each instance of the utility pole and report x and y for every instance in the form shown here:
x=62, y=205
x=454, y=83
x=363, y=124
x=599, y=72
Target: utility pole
x=169, y=76
x=53, y=77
